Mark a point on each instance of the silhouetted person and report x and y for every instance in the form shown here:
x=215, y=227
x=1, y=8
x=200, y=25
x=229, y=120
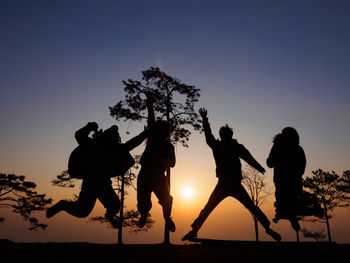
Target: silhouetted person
x=227, y=153
x=287, y=158
x=95, y=161
x=158, y=156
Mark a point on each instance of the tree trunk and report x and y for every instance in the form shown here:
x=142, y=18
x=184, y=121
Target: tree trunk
x=298, y=239
x=256, y=226
x=166, y=227
x=327, y=222
x=121, y=217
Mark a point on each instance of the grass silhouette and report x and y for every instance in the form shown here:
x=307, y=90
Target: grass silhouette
x=219, y=252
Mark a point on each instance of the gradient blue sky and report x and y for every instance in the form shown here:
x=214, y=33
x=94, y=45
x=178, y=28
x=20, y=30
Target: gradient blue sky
x=260, y=65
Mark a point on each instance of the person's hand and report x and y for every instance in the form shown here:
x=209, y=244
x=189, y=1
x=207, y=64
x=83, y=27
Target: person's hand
x=93, y=126
x=262, y=170
x=203, y=112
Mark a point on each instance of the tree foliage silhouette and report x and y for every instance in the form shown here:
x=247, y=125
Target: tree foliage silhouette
x=255, y=186
x=64, y=180
x=19, y=195
x=344, y=184
x=130, y=221
x=330, y=190
x=317, y=235
x=164, y=89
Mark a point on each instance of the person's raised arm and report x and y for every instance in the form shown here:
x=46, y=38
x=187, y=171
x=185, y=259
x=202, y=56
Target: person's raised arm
x=249, y=159
x=273, y=155
x=301, y=161
x=270, y=161
x=136, y=141
x=82, y=135
x=209, y=137
x=150, y=109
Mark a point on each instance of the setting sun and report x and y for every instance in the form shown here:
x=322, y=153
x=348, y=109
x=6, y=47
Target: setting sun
x=187, y=191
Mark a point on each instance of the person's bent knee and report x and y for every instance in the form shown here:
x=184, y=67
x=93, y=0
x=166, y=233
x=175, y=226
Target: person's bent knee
x=167, y=203
x=82, y=213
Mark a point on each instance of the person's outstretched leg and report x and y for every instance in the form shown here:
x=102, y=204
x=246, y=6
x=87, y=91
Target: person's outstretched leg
x=215, y=198
x=162, y=191
x=58, y=207
x=144, y=191
x=80, y=208
x=241, y=195
x=110, y=201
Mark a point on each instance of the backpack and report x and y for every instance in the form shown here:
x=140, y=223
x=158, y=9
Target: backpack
x=87, y=161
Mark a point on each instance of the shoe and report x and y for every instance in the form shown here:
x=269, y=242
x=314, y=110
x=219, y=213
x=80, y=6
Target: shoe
x=273, y=234
x=171, y=225
x=53, y=210
x=190, y=235
x=142, y=221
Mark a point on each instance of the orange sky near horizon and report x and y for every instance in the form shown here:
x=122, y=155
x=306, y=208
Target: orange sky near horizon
x=230, y=220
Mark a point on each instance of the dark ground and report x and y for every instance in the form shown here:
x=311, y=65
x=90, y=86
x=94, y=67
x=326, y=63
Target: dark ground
x=200, y=253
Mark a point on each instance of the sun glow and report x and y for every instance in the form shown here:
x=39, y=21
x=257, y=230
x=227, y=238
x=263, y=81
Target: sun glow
x=187, y=192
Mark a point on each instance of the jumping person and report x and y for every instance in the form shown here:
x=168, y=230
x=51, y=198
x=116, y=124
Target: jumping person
x=157, y=157
x=95, y=161
x=227, y=153
x=287, y=158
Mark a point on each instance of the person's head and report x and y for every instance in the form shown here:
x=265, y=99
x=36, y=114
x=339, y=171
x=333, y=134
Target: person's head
x=277, y=138
x=112, y=134
x=290, y=135
x=161, y=130
x=226, y=133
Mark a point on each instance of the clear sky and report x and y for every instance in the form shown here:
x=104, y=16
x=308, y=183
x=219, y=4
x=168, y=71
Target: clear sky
x=260, y=65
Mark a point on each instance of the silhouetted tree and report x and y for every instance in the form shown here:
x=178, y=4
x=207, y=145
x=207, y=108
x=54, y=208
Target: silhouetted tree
x=127, y=218
x=344, y=184
x=311, y=209
x=18, y=194
x=130, y=221
x=164, y=89
x=64, y=180
x=328, y=188
x=317, y=235
x=254, y=183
